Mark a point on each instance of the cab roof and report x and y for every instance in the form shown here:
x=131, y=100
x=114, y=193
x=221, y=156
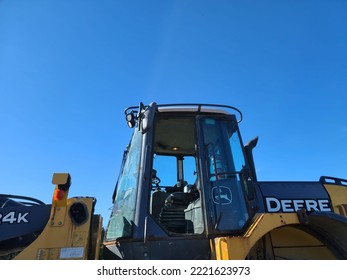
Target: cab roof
x=205, y=108
x=189, y=108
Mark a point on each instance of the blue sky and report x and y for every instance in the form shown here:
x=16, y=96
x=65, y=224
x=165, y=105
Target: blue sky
x=68, y=69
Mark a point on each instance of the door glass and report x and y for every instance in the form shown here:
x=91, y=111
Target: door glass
x=225, y=161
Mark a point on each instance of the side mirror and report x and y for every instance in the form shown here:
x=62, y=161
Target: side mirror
x=249, y=155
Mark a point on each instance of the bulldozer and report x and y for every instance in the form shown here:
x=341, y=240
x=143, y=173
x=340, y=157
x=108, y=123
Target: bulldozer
x=187, y=190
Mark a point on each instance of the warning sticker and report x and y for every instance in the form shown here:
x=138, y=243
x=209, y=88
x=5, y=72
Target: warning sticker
x=71, y=252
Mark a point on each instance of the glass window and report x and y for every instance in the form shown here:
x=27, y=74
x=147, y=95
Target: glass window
x=225, y=157
x=190, y=170
x=166, y=167
x=122, y=216
x=225, y=160
x=237, y=151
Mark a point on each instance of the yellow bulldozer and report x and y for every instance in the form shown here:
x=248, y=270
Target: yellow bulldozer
x=187, y=189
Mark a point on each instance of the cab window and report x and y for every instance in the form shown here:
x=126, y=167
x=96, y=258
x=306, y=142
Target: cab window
x=122, y=216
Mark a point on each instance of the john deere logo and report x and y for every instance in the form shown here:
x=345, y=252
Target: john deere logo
x=274, y=204
x=222, y=195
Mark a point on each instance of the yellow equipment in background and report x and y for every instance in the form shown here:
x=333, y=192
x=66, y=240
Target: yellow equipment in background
x=72, y=230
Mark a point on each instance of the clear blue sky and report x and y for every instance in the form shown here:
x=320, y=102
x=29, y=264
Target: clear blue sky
x=69, y=68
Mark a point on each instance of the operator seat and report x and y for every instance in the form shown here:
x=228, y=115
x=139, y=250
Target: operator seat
x=172, y=215
x=157, y=202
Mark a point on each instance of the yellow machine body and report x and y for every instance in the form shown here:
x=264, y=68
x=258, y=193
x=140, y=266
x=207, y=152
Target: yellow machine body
x=289, y=236
x=66, y=236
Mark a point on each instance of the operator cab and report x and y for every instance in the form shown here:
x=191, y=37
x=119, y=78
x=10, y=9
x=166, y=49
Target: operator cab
x=184, y=179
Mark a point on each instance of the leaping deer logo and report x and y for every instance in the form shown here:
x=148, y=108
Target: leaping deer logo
x=222, y=195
